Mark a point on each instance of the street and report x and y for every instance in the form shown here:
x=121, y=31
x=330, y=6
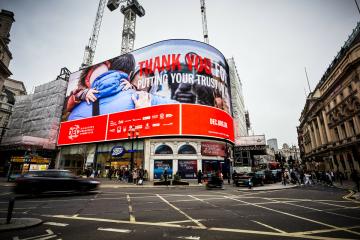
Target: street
x=307, y=212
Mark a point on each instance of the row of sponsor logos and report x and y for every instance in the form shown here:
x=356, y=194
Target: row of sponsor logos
x=162, y=120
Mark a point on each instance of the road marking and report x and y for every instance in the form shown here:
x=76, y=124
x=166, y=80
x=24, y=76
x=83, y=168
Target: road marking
x=324, y=230
x=131, y=215
x=122, y=221
x=187, y=216
x=183, y=221
x=56, y=224
x=299, y=217
x=190, y=238
x=201, y=200
x=277, y=234
x=265, y=225
x=50, y=234
x=114, y=230
x=319, y=210
x=347, y=197
x=6, y=193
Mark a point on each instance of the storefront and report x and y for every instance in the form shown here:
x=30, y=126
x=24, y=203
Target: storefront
x=77, y=158
x=20, y=165
x=186, y=157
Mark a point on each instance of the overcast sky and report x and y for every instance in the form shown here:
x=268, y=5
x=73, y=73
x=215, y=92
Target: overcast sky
x=271, y=41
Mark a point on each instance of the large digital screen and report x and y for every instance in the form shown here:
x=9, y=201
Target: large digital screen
x=138, y=85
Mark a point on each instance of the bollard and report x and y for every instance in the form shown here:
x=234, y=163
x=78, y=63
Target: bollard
x=10, y=210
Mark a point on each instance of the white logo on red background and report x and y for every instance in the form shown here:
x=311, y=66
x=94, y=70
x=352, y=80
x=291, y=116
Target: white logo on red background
x=74, y=132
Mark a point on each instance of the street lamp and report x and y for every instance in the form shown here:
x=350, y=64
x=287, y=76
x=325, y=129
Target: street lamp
x=132, y=134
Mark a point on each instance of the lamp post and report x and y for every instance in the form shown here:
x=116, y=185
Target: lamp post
x=132, y=134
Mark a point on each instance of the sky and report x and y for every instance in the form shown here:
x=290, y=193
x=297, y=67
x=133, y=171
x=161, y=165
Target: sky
x=272, y=41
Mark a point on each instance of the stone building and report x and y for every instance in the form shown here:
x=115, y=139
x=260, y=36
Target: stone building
x=329, y=130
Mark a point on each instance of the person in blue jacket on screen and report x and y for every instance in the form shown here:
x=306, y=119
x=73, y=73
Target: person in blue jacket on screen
x=114, y=96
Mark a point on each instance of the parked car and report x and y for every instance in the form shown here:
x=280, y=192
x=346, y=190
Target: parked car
x=36, y=182
x=249, y=179
x=215, y=182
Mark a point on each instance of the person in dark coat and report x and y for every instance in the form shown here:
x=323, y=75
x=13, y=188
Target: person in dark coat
x=199, y=176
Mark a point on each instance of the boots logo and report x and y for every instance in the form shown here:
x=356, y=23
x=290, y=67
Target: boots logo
x=74, y=132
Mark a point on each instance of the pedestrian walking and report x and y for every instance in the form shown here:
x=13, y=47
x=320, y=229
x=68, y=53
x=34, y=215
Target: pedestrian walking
x=166, y=176
x=199, y=177
x=356, y=179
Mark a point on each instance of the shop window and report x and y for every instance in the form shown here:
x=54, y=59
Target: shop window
x=163, y=149
x=67, y=163
x=187, y=149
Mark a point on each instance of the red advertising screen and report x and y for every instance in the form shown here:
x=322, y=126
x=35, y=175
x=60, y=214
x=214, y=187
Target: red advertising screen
x=82, y=131
x=206, y=121
x=154, y=121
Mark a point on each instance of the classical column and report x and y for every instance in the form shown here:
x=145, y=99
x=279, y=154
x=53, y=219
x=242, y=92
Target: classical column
x=321, y=131
x=326, y=127
x=311, y=138
x=316, y=135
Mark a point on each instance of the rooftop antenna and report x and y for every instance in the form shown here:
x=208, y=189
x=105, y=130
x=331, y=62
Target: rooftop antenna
x=90, y=48
x=357, y=5
x=307, y=79
x=204, y=21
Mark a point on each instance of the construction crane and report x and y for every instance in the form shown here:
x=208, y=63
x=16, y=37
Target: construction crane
x=131, y=9
x=90, y=48
x=204, y=22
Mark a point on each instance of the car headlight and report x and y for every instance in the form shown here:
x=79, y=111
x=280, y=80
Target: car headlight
x=94, y=182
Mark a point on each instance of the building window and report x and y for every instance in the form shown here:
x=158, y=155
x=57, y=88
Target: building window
x=163, y=149
x=337, y=135
x=187, y=149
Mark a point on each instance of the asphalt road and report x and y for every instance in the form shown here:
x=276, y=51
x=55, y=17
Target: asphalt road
x=312, y=212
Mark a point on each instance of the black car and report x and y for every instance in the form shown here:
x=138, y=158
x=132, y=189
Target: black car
x=215, y=182
x=249, y=179
x=36, y=182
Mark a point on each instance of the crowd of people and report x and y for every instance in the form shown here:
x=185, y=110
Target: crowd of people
x=303, y=177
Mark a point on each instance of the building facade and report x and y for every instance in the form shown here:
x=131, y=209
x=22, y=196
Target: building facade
x=273, y=144
x=237, y=101
x=10, y=89
x=329, y=130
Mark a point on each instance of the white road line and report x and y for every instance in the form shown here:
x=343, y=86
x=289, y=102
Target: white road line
x=299, y=217
x=6, y=193
x=189, y=238
x=50, y=234
x=184, y=221
x=265, y=225
x=171, y=205
x=114, y=230
x=201, y=200
x=131, y=215
x=277, y=234
x=324, y=230
x=56, y=224
x=319, y=210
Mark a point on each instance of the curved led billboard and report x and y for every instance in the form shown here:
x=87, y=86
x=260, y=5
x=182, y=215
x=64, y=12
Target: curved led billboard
x=167, y=88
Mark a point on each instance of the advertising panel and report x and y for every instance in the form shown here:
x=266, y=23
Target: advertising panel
x=160, y=166
x=212, y=149
x=146, y=81
x=187, y=168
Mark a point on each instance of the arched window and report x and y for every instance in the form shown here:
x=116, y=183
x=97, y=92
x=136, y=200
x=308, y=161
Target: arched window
x=187, y=149
x=163, y=149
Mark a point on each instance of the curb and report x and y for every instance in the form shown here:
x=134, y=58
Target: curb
x=19, y=223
